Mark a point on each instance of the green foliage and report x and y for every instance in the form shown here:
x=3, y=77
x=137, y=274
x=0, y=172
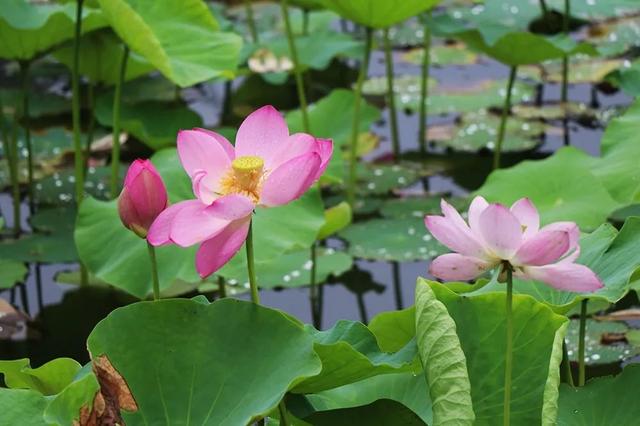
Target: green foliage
x=48, y=379
x=378, y=13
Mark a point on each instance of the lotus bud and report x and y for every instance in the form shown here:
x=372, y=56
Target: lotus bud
x=143, y=197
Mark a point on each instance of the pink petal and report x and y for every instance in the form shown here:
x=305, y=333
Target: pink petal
x=200, y=152
x=500, y=230
x=217, y=251
x=301, y=143
x=565, y=276
x=478, y=205
x=262, y=134
x=527, y=215
x=325, y=149
x=231, y=207
x=543, y=248
x=290, y=180
x=456, y=267
x=569, y=227
x=224, y=142
x=454, y=237
x=194, y=223
x=160, y=231
x=203, y=186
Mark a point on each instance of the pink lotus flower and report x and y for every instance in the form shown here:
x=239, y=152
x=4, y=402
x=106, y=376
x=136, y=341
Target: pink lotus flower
x=267, y=167
x=143, y=197
x=496, y=234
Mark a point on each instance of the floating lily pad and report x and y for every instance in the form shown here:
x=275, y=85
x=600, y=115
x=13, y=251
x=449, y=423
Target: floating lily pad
x=401, y=240
x=474, y=132
x=12, y=272
x=546, y=112
x=615, y=37
x=290, y=270
x=41, y=104
x=582, y=70
x=417, y=207
x=59, y=188
x=442, y=55
x=405, y=87
x=627, y=78
x=597, y=350
x=52, y=243
x=378, y=179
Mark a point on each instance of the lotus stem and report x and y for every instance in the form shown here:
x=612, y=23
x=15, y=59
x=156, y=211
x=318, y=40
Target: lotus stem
x=424, y=88
x=305, y=22
x=75, y=108
x=581, y=341
x=397, y=284
x=38, y=278
x=115, y=149
x=509, y=350
x=391, y=98
x=251, y=270
x=24, y=76
x=565, y=71
x=24, y=297
x=251, y=22
x=282, y=408
x=222, y=287
x=543, y=7
x=355, y=128
x=503, y=119
x=154, y=271
x=90, y=126
x=12, y=157
x=313, y=288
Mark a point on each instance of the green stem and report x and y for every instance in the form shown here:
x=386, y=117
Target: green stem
x=313, y=287
x=581, y=341
x=90, y=127
x=566, y=364
x=503, y=120
x=296, y=65
x=565, y=69
x=543, y=7
x=305, y=22
x=75, y=108
x=391, y=98
x=222, y=287
x=424, y=88
x=355, y=128
x=12, y=157
x=251, y=22
x=251, y=270
x=282, y=408
x=115, y=149
x=24, y=76
x=509, y=350
x=397, y=284
x=154, y=271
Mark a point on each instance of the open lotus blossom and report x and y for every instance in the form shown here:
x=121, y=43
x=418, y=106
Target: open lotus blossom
x=496, y=234
x=267, y=167
x=143, y=197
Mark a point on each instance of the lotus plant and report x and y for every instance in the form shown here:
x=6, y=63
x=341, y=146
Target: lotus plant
x=141, y=201
x=511, y=239
x=268, y=167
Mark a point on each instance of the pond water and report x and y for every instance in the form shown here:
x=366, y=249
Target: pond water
x=65, y=314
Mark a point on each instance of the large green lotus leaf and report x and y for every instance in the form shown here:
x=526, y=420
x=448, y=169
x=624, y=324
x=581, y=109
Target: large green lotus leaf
x=400, y=240
x=445, y=320
x=101, y=52
x=477, y=131
x=64, y=408
x=117, y=256
x=444, y=100
x=22, y=407
x=234, y=365
x=349, y=353
x=602, y=401
x=597, y=349
x=519, y=48
x=378, y=13
x=443, y=359
x=394, y=329
x=612, y=255
x=409, y=389
x=620, y=145
x=41, y=104
x=556, y=186
x=51, y=243
x=48, y=379
x=332, y=118
x=292, y=269
x=12, y=272
x=383, y=412
x=154, y=123
x=181, y=39
x=29, y=29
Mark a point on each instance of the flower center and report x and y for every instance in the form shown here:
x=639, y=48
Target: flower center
x=244, y=177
